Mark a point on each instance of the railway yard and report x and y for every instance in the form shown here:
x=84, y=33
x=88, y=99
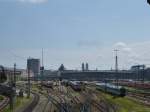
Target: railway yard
x=65, y=99
x=75, y=96
x=74, y=56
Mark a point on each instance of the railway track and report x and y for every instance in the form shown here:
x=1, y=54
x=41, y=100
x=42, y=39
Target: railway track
x=102, y=104
x=74, y=99
x=64, y=104
x=99, y=106
x=141, y=97
x=33, y=103
x=51, y=100
x=4, y=103
x=58, y=99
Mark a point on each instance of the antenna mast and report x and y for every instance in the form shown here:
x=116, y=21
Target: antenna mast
x=116, y=66
x=116, y=60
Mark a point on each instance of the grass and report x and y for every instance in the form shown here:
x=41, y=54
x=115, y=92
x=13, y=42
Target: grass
x=20, y=102
x=126, y=105
x=1, y=98
x=131, y=89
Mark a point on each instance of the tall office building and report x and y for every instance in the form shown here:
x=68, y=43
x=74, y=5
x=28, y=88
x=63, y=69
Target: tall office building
x=34, y=66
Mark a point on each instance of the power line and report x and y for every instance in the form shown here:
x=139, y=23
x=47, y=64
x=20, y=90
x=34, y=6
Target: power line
x=17, y=56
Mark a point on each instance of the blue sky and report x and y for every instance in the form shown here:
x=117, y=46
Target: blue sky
x=74, y=31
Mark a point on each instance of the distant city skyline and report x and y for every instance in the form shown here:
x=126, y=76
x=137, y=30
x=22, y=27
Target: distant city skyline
x=72, y=32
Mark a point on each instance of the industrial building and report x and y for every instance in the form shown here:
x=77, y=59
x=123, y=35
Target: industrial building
x=137, y=72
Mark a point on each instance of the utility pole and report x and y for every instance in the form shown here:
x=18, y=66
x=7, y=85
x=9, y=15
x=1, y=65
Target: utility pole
x=28, y=69
x=143, y=73
x=116, y=65
x=138, y=74
x=28, y=83
x=14, y=75
x=42, y=58
x=42, y=68
x=13, y=89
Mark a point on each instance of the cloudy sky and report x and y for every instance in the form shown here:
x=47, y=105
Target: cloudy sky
x=75, y=31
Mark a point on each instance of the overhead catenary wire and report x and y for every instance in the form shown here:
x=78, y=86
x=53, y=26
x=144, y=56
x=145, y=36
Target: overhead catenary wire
x=10, y=52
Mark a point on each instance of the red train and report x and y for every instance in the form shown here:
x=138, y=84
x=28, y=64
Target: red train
x=139, y=85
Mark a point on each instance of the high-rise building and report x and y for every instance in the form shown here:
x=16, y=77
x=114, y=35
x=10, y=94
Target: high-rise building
x=34, y=66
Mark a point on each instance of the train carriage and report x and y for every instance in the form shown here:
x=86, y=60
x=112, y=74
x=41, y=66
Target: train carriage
x=111, y=89
x=75, y=85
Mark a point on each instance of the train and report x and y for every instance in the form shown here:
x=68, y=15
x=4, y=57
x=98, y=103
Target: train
x=111, y=89
x=65, y=83
x=75, y=85
x=48, y=84
x=134, y=84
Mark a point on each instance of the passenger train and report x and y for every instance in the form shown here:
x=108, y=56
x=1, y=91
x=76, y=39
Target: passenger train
x=111, y=89
x=75, y=85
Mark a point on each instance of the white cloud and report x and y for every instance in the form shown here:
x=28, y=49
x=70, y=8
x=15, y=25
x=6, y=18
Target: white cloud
x=33, y=1
x=127, y=49
x=123, y=47
x=135, y=53
x=120, y=45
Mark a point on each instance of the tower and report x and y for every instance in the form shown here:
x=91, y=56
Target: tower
x=116, y=66
x=87, y=66
x=116, y=60
x=83, y=67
